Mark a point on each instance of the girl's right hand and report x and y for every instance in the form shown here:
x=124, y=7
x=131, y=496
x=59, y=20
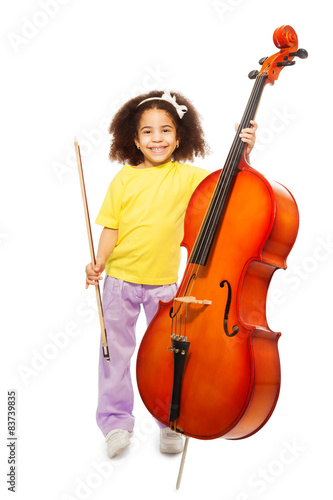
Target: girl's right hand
x=93, y=273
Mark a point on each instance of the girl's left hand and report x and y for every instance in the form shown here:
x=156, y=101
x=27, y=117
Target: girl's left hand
x=248, y=135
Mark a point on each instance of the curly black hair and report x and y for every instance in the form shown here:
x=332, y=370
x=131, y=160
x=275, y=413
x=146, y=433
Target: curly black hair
x=124, y=128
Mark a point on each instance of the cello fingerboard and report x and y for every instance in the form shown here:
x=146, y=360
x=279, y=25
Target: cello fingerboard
x=203, y=243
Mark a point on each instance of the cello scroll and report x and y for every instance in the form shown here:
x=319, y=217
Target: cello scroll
x=284, y=38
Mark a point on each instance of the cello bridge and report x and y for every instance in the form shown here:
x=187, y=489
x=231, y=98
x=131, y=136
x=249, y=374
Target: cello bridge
x=193, y=300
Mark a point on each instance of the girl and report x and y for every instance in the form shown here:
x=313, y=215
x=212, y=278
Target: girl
x=139, y=248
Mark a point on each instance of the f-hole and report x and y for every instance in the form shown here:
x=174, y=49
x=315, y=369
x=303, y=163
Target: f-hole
x=235, y=328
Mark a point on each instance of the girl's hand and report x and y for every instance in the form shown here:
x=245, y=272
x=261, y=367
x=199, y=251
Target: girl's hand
x=248, y=135
x=93, y=273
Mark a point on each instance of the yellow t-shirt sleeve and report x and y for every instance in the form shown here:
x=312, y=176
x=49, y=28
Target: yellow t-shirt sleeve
x=109, y=214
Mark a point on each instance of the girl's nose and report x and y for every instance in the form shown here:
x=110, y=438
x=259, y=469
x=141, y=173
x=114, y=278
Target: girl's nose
x=156, y=137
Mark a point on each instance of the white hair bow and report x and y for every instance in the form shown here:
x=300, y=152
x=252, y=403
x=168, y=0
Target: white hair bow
x=181, y=109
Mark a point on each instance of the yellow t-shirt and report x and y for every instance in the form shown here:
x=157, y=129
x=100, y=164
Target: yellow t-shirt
x=147, y=206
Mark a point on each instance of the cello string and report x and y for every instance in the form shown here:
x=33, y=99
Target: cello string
x=189, y=272
x=225, y=178
x=236, y=152
x=220, y=194
x=232, y=164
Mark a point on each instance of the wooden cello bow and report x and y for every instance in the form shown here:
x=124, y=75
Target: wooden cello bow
x=105, y=347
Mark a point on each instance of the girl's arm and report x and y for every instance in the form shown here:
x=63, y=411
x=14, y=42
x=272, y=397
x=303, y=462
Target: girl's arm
x=107, y=242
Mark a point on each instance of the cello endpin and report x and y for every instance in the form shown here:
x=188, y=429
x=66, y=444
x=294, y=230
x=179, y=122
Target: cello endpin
x=181, y=468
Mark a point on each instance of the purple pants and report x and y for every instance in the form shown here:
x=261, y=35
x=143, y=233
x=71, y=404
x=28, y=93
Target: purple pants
x=121, y=306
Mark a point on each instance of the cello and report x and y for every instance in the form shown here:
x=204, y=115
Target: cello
x=208, y=365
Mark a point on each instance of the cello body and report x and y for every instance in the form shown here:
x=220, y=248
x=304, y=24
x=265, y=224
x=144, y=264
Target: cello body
x=208, y=365
x=230, y=384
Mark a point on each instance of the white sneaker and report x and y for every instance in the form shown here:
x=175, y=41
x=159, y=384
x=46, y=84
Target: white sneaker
x=170, y=441
x=116, y=441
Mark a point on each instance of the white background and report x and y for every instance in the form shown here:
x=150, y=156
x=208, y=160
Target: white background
x=65, y=68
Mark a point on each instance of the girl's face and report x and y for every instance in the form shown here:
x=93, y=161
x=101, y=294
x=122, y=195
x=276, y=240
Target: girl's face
x=156, y=137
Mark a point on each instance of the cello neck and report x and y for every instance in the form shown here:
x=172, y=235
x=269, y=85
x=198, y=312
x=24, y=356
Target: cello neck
x=200, y=252
x=238, y=145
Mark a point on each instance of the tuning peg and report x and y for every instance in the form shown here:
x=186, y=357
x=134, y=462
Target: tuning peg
x=301, y=53
x=253, y=74
x=262, y=60
x=285, y=63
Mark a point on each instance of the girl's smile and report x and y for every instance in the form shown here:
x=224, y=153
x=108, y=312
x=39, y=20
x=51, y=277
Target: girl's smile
x=156, y=138
x=158, y=150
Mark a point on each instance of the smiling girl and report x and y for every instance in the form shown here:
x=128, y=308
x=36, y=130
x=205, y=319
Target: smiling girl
x=142, y=217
